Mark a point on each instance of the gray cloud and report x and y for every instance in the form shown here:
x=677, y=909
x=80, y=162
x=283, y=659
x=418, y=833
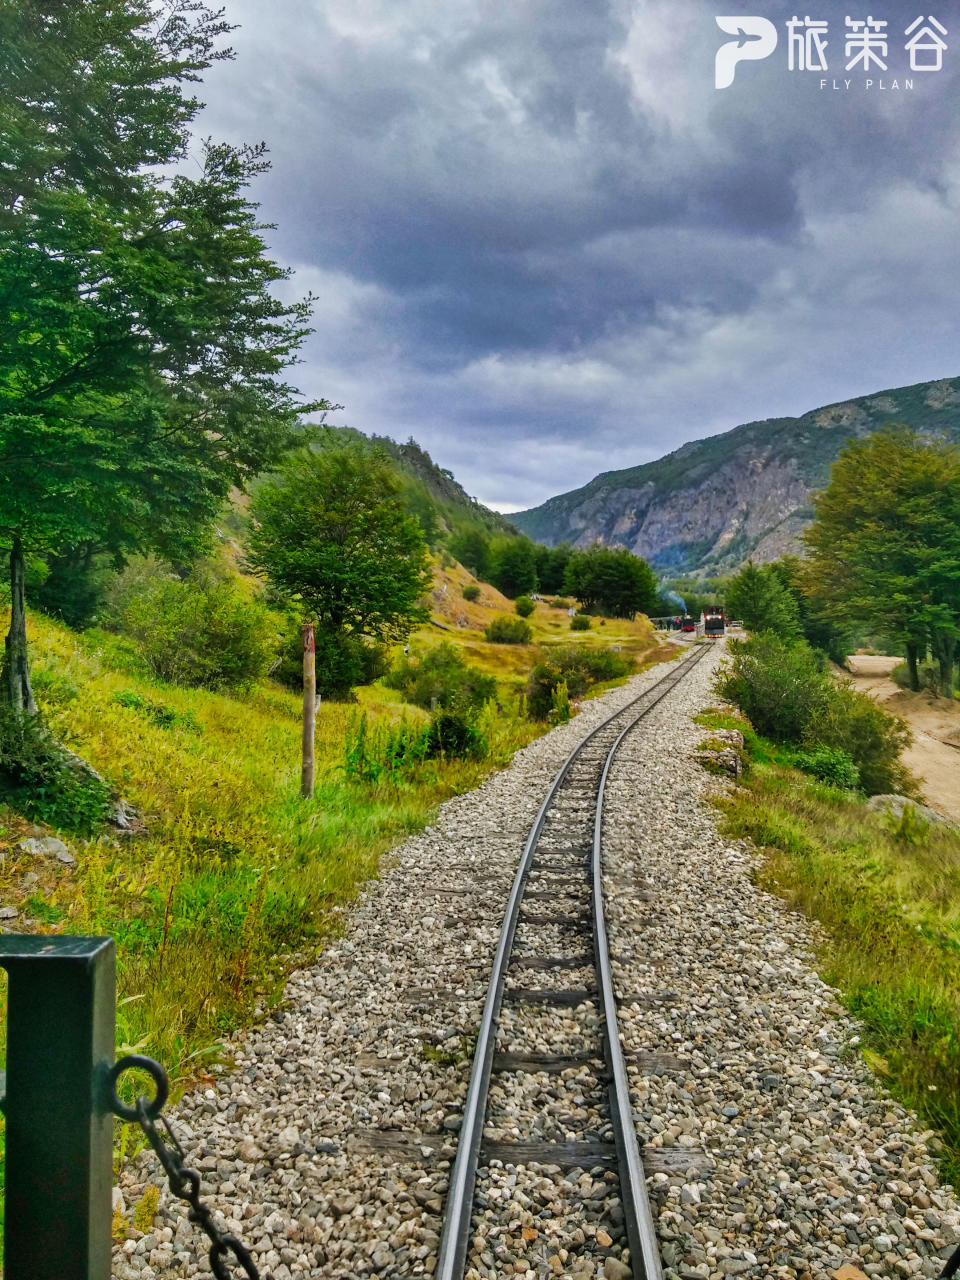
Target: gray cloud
x=545, y=245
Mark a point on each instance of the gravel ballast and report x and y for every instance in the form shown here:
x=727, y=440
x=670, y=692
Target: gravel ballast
x=799, y=1165
x=326, y=1147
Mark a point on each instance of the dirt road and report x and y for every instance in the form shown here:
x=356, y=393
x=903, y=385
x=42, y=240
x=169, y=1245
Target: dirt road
x=935, y=754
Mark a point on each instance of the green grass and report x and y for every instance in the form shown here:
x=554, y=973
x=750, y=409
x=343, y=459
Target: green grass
x=236, y=878
x=888, y=896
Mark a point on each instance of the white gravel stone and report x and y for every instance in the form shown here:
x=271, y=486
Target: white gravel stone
x=327, y=1146
x=800, y=1163
x=370, y=1047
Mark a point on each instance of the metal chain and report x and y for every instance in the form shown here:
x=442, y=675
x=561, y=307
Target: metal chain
x=184, y=1182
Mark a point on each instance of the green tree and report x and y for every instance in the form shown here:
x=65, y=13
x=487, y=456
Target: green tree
x=418, y=502
x=141, y=341
x=885, y=544
x=816, y=626
x=552, y=565
x=757, y=597
x=331, y=533
x=472, y=549
x=512, y=566
x=73, y=585
x=611, y=580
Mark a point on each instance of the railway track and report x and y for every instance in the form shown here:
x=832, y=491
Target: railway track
x=551, y=984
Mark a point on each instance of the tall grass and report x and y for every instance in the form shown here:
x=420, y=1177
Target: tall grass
x=236, y=879
x=887, y=892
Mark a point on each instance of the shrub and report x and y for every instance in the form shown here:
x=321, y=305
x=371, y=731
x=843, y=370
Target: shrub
x=343, y=661
x=580, y=622
x=578, y=667
x=829, y=764
x=39, y=780
x=560, y=603
x=119, y=653
x=203, y=631
x=505, y=630
x=471, y=592
x=872, y=737
x=441, y=679
x=524, y=606
x=391, y=753
x=778, y=684
x=782, y=689
x=594, y=665
x=452, y=735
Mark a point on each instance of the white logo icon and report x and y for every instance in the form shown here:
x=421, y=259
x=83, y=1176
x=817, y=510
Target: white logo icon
x=756, y=38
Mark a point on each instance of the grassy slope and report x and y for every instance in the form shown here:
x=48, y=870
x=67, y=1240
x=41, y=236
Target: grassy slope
x=236, y=879
x=888, y=896
x=462, y=622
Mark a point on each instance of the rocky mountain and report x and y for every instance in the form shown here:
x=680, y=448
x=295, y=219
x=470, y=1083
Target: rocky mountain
x=714, y=503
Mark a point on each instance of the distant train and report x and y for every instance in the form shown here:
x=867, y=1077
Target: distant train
x=688, y=623
x=714, y=624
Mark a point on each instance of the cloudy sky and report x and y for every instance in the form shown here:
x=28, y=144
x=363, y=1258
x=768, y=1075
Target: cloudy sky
x=545, y=245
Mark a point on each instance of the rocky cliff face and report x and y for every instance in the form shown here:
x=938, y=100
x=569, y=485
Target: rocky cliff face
x=713, y=503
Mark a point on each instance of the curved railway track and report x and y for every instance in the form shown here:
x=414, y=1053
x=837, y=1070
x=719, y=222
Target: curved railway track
x=562, y=941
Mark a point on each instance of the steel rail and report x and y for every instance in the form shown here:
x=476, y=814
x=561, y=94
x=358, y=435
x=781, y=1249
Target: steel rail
x=638, y=1218
x=458, y=1209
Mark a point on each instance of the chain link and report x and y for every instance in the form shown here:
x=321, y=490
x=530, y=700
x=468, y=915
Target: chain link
x=184, y=1182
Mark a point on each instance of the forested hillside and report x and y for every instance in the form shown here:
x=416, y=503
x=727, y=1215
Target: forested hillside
x=431, y=492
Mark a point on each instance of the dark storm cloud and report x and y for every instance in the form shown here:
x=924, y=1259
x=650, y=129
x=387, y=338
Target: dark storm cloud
x=544, y=244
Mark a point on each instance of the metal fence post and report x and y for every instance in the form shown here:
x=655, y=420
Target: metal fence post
x=60, y=1046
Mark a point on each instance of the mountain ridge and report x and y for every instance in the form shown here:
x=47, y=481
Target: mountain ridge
x=713, y=503
x=426, y=484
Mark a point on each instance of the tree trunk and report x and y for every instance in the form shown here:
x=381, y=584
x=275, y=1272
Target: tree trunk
x=913, y=666
x=945, y=647
x=16, y=669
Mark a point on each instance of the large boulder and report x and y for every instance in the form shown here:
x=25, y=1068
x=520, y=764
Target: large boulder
x=895, y=805
x=47, y=847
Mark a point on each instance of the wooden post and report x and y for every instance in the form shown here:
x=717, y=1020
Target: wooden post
x=309, y=708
